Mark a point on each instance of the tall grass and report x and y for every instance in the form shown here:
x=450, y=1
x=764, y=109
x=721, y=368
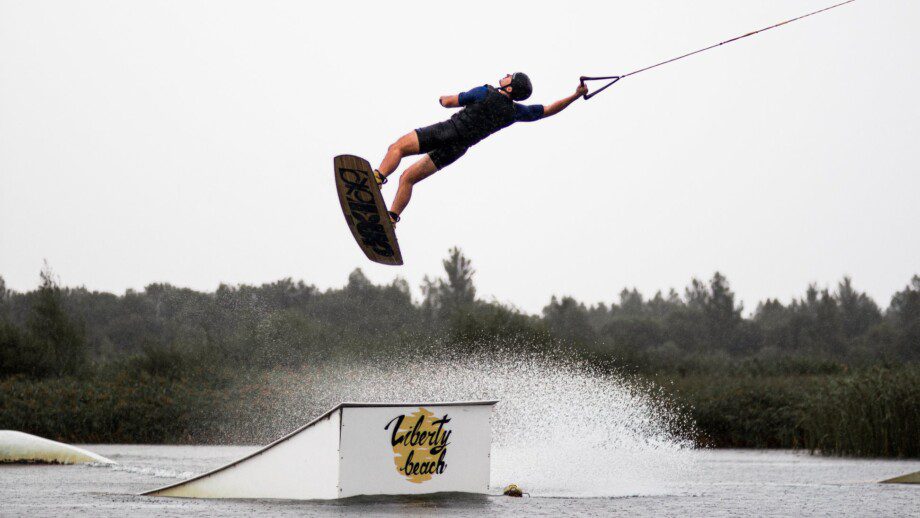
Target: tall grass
x=870, y=413
x=875, y=413
x=741, y=411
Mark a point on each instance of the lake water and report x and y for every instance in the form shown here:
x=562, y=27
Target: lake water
x=703, y=483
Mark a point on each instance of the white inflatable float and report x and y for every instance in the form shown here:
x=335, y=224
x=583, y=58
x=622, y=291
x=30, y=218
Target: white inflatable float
x=19, y=447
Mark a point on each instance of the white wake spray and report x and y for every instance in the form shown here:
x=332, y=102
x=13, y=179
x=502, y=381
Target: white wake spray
x=562, y=427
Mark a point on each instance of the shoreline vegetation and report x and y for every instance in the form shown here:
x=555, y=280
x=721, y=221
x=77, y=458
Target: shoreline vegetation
x=830, y=372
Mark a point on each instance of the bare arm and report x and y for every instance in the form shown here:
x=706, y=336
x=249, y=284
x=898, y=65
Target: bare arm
x=450, y=101
x=562, y=104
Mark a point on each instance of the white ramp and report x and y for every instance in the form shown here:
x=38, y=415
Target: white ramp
x=362, y=449
x=19, y=447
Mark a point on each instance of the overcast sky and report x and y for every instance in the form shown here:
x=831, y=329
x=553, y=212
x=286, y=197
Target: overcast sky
x=191, y=142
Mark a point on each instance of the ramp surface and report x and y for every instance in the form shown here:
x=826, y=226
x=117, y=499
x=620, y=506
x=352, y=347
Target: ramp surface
x=910, y=478
x=362, y=449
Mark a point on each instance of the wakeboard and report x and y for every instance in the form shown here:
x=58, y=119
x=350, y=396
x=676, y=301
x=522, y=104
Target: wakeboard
x=365, y=211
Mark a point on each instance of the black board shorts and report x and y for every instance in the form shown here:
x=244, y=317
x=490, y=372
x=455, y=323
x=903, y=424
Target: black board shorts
x=442, y=143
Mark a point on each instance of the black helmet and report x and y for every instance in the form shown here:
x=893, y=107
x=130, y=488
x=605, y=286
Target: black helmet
x=520, y=86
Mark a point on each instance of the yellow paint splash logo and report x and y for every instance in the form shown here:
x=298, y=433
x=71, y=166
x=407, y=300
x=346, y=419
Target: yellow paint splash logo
x=419, y=444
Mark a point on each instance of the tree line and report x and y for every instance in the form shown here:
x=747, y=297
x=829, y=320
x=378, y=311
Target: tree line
x=829, y=371
x=55, y=330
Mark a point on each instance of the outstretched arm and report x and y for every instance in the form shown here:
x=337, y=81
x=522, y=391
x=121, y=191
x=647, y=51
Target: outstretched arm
x=562, y=104
x=456, y=101
x=450, y=101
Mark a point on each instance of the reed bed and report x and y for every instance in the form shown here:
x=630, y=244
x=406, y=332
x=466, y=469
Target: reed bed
x=870, y=413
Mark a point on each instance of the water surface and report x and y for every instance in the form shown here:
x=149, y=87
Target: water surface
x=709, y=483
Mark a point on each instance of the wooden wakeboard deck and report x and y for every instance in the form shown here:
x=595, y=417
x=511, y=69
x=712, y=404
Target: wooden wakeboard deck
x=364, y=209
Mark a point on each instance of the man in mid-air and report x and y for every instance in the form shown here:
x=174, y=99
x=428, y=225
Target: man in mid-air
x=485, y=110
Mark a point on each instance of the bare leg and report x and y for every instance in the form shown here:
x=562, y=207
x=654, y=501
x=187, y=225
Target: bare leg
x=405, y=146
x=413, y=174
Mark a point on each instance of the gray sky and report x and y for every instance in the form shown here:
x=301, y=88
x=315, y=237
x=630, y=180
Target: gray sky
x=191, y=142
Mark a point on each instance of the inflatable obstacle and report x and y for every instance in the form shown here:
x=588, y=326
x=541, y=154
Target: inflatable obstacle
x=23, y=448
x=362, y=449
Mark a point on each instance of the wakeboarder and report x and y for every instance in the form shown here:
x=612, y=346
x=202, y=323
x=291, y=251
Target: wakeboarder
x=485, y=110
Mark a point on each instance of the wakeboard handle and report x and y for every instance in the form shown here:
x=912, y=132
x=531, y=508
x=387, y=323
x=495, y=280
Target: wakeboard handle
x=589, y=95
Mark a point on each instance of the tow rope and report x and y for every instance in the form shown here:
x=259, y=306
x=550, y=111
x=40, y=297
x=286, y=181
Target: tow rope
x=614, y=79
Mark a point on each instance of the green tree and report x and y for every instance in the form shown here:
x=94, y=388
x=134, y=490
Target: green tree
x=828, y=329
x=444, y=298
x=4, y=299
x=715, y=303
x=905, y=312
x=858, y=312
x=567, y=319
x=13, y=351
x=61, y=343
x=632, y=303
